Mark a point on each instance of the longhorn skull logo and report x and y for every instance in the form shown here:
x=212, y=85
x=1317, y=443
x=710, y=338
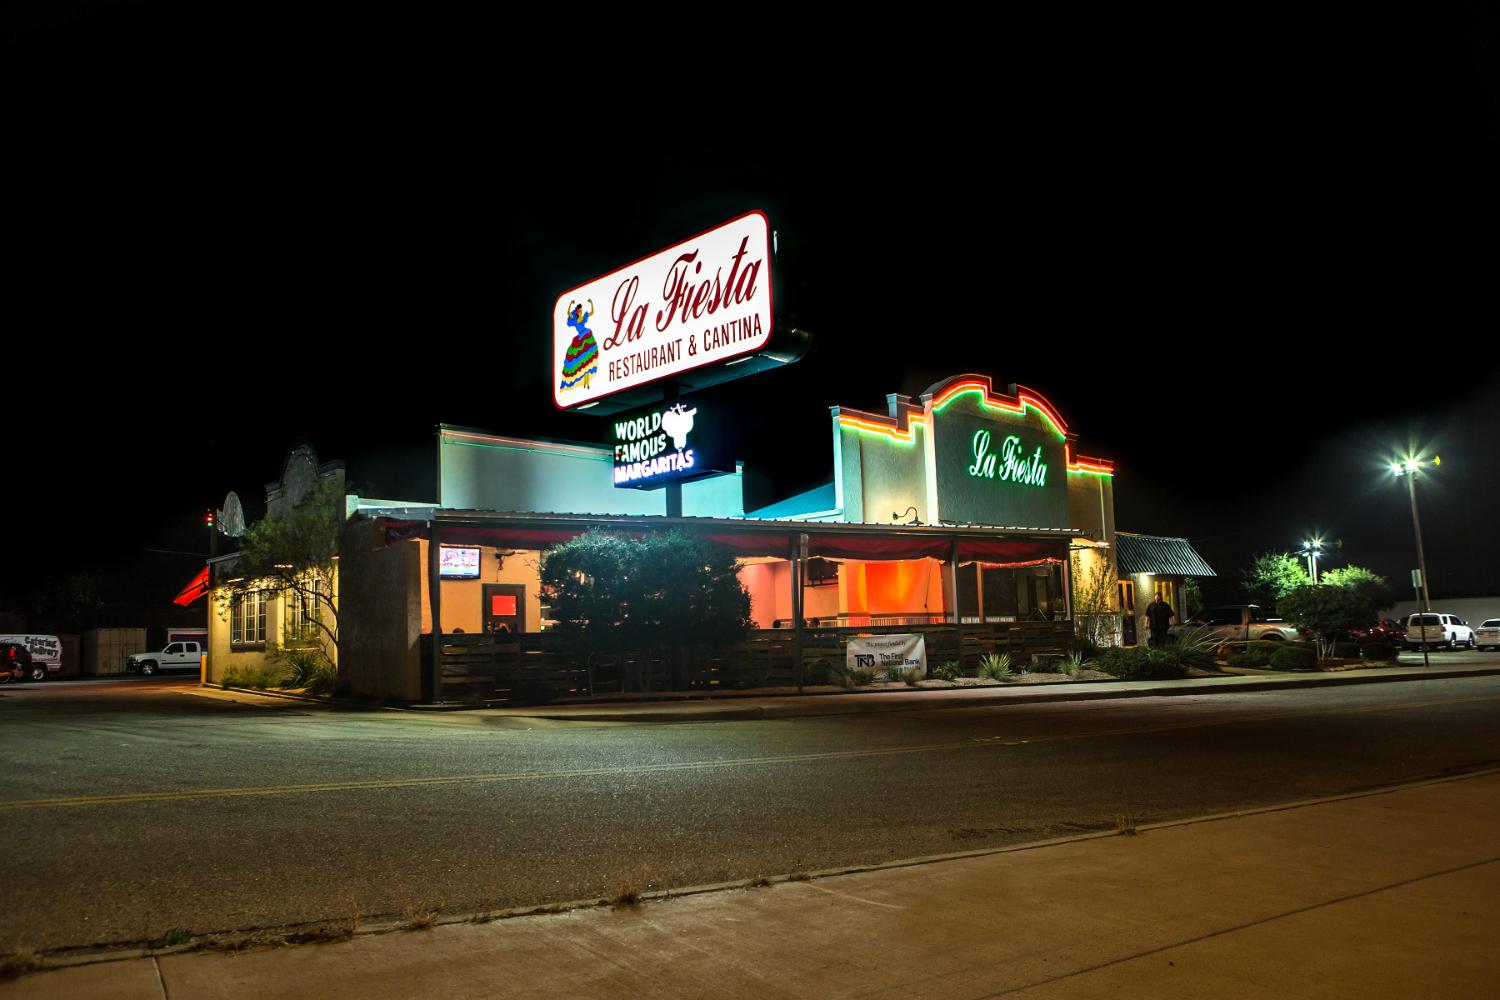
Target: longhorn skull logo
x=677, y=422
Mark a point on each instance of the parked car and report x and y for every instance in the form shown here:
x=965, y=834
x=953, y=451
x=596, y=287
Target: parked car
x=1391, y=630
x=1487, y=636
x=177, y=656
x=16, y=663
x=1237, y=623
x=1439, y=631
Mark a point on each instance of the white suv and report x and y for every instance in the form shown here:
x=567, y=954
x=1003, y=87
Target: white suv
x=1439, y=631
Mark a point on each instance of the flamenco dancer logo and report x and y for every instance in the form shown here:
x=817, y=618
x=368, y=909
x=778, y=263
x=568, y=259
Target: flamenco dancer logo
x=581, y=363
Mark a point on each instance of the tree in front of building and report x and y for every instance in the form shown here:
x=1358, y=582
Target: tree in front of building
x=1327, y=611
x=1376, y=589
x=1096, y=621
x=1272, y=576
x=670, y=591
x=294, y=554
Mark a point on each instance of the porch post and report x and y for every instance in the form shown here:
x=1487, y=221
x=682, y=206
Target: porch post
x=435, y=599
x=958, y=628
x=798, y=541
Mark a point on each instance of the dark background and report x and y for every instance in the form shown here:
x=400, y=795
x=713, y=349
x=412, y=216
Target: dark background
x=1250, y=260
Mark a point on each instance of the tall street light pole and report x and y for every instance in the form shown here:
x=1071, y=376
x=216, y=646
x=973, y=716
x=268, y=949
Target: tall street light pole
x=1409, y=468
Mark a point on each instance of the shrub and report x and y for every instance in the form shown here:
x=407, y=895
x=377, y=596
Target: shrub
x=259, y=680
x=1262, y=650
x=1073, y=663
x=995, y=667
x=1047, y=665
x=947, y=671
x=910, y=676
x=1378, y=651
x=1294, y=656
x=1346, y=650
x=321, y=679
x=1246, y=659
x=1139, y=663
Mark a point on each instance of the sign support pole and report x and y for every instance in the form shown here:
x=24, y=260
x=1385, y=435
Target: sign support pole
x=674, y=488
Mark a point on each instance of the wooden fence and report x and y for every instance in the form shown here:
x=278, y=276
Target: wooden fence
x=541, y=666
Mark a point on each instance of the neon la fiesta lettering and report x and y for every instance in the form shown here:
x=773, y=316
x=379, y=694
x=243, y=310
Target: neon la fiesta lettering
x=1011, y=465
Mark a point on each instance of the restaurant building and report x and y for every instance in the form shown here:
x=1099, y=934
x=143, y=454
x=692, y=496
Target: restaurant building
x=967, y=512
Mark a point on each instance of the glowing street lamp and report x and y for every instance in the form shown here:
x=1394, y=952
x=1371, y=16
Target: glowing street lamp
x=1312, y=548
x=1411, y=467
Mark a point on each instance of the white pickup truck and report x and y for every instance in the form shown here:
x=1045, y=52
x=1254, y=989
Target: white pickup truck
x=177, y=656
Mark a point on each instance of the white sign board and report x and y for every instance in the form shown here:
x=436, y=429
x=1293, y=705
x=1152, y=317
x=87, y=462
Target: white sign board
x=887, y=652
x=700, y=302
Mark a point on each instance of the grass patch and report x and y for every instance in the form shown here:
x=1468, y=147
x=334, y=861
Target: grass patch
x=172, y=938
x=1125, y=826
x=627, y=895
x=20, y=963
x=419, y=920
x=799, y=877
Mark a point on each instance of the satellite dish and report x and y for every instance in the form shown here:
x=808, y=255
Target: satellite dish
x=231, y=517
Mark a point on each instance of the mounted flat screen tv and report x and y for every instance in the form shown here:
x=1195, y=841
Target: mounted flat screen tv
x=458, y=562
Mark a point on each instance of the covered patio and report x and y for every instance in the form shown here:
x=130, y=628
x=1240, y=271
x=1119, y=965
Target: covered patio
x=971, y=589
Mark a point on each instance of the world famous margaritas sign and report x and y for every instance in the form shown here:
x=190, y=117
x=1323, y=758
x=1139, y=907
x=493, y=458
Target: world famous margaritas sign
x=668, y=442
x=704, y=301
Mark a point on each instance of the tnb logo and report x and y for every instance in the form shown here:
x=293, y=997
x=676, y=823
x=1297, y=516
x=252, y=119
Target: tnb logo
x=864, y=660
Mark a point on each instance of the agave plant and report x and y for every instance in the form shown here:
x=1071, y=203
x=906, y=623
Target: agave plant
x=995, y=666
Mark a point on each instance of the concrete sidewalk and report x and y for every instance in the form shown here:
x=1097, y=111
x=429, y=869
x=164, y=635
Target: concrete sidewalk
x=1388, y=894
x=792, y=706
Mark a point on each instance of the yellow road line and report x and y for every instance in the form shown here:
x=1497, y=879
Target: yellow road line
x=699, y=765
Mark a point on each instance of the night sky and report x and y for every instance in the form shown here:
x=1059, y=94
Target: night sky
x=1249, y=262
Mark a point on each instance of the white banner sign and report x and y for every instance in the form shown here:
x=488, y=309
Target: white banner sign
x=699, y=302
x=887, y=652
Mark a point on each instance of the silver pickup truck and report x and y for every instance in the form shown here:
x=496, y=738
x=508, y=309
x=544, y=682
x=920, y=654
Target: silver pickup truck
x=1233, y=624
x=177, y=656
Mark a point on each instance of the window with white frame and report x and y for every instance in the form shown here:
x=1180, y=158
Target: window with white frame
x=247, y=617
x=302, y=611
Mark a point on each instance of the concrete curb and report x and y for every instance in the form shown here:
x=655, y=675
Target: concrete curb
x=797, y=708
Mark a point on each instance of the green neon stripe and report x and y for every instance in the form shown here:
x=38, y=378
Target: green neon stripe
x=884, y=436
x=998, y=409
x=1090, y=472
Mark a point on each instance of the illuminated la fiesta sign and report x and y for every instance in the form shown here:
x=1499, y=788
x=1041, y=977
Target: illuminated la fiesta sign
x=1011, y=464
x=699, y=302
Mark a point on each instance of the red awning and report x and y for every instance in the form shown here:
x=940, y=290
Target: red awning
x=1011, y=550
x=194, y=590
x=834, y=545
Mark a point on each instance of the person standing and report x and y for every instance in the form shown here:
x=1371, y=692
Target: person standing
x=1159, y=615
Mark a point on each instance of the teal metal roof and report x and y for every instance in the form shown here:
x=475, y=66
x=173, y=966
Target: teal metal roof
x=1159, y=555
x=818, y=500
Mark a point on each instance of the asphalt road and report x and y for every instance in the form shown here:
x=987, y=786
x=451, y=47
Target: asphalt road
x=129, y=808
